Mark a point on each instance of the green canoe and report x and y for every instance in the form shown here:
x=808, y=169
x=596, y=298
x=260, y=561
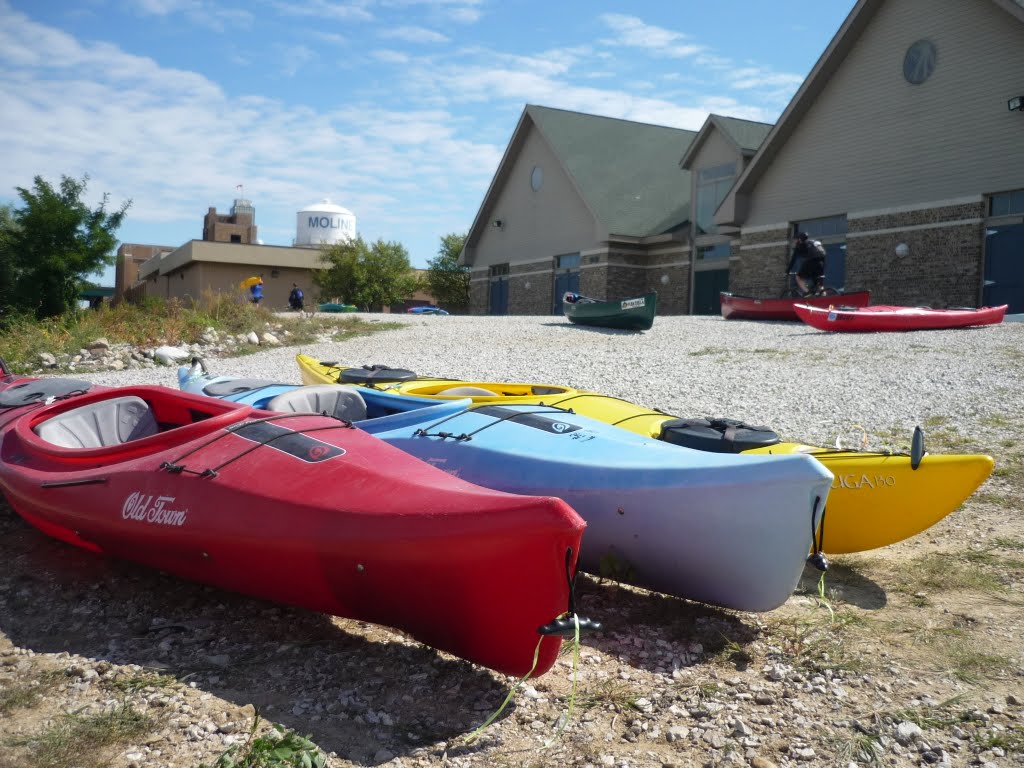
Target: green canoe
x=633, y=314
x=330, y=307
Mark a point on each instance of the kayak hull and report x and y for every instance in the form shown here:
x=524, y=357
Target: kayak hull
x=729, y=530
x=890, y=516
x=751, y=308
x=359, y=530
x=891, y=318
x=632, y=314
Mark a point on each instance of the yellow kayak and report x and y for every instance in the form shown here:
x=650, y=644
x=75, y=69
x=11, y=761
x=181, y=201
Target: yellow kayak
x=876, y=499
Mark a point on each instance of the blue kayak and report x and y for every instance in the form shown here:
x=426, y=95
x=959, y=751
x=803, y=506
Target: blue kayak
x=728, y=529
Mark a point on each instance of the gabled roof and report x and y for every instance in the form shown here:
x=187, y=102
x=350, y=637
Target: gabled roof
x=623, y=171
x=745, y=135
x=733, y=208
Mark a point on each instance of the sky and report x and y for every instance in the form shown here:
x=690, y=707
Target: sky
x=398, y=110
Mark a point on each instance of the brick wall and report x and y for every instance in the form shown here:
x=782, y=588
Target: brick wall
x=673, y=296
x=761, y=271
x=531, y=294
x=478, y=297
x=943, y=267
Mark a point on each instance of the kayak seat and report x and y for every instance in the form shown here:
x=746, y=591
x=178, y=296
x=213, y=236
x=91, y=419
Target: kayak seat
x=467, y=392
x=97, y=425
x=236, y=386
x=343, y=403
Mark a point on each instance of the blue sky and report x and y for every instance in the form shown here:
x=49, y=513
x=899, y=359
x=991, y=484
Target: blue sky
x=399, y=110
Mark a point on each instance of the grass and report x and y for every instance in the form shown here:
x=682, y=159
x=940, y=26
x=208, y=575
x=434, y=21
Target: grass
x=825, y=638
x=156, y=322
x=27, y=693
x=84, y=741
x=137, y=683
x=941, y=572
x=607, y=693
x=277, y=748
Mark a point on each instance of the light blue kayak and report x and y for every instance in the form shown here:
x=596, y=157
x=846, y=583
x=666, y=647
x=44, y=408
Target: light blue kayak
x=728, y=529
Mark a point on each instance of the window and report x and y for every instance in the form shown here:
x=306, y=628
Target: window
x=536, y=178
x=713, y=252
x=568, y=261
x=275, y=273
x=712, y=186
x=497, y=270
x=832, y=226
x=919, y=62
x=1006, y=203
x=236, y=238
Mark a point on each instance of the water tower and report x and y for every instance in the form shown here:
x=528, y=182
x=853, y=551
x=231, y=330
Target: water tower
x=324, y=223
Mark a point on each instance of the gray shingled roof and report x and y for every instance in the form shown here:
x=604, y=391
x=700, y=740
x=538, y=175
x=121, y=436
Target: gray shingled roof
x=626, y=172
x=746, y=133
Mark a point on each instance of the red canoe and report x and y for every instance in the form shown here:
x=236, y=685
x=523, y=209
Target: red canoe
x=750, y=308
x=300, y=509
x=887, y=318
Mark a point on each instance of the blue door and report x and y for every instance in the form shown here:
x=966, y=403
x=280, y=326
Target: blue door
x=1004, y=267
x=564, y=281
x=498, y=304
x=835, y=265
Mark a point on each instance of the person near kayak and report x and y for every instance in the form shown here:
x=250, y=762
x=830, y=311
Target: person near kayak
x=296, y=297
x=811, y=256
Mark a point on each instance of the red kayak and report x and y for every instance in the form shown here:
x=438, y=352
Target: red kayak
x=750, y=308
x=887, y=318
x=297, y=508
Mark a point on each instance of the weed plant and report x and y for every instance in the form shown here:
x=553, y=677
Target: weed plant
x=155, y=322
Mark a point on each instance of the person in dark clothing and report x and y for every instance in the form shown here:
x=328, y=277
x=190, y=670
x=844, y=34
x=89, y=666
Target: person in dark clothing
x=811, y=256
x=295, y=298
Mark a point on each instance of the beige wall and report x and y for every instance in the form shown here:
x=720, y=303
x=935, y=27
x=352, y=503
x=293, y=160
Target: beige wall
x=536, y=225
x=872, y=140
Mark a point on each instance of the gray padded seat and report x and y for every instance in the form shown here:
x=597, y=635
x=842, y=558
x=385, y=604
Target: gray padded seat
x=468, y=392
x=236, y=386
x=341, y=402
x=97, y=425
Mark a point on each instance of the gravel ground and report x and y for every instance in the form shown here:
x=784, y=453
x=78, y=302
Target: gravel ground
x=805, y=384
x=914, y=657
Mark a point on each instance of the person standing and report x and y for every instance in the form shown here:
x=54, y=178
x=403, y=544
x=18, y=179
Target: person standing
x=812, y=264
x=256, y=289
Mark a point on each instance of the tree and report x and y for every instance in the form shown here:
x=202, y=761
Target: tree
x=51, y=244
x=447, y=280
x=367, y=275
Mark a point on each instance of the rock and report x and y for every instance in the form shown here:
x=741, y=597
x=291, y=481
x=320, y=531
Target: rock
x=907, y=732
x=167, y=355
x=252, y=338
x=762, y=762
x=46, y=360
x=269, y=338
x=677, y=733
x=99, y=344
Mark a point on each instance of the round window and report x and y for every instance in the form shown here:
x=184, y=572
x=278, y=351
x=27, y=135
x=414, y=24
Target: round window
x=536, y=178
x=919, y=62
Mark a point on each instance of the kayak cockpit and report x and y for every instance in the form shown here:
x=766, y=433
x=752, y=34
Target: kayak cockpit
x=120, y=423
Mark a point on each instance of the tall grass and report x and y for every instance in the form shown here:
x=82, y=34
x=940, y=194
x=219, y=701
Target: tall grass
x=150, y=323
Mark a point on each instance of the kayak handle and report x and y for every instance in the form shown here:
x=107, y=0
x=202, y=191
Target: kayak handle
x=565, y=625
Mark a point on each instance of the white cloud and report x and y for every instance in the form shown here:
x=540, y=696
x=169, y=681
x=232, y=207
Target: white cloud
x=632, y=31
x=460, y=11
x=324, y=9
x=294, y=57
x=199, y=12
x=414, y=35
